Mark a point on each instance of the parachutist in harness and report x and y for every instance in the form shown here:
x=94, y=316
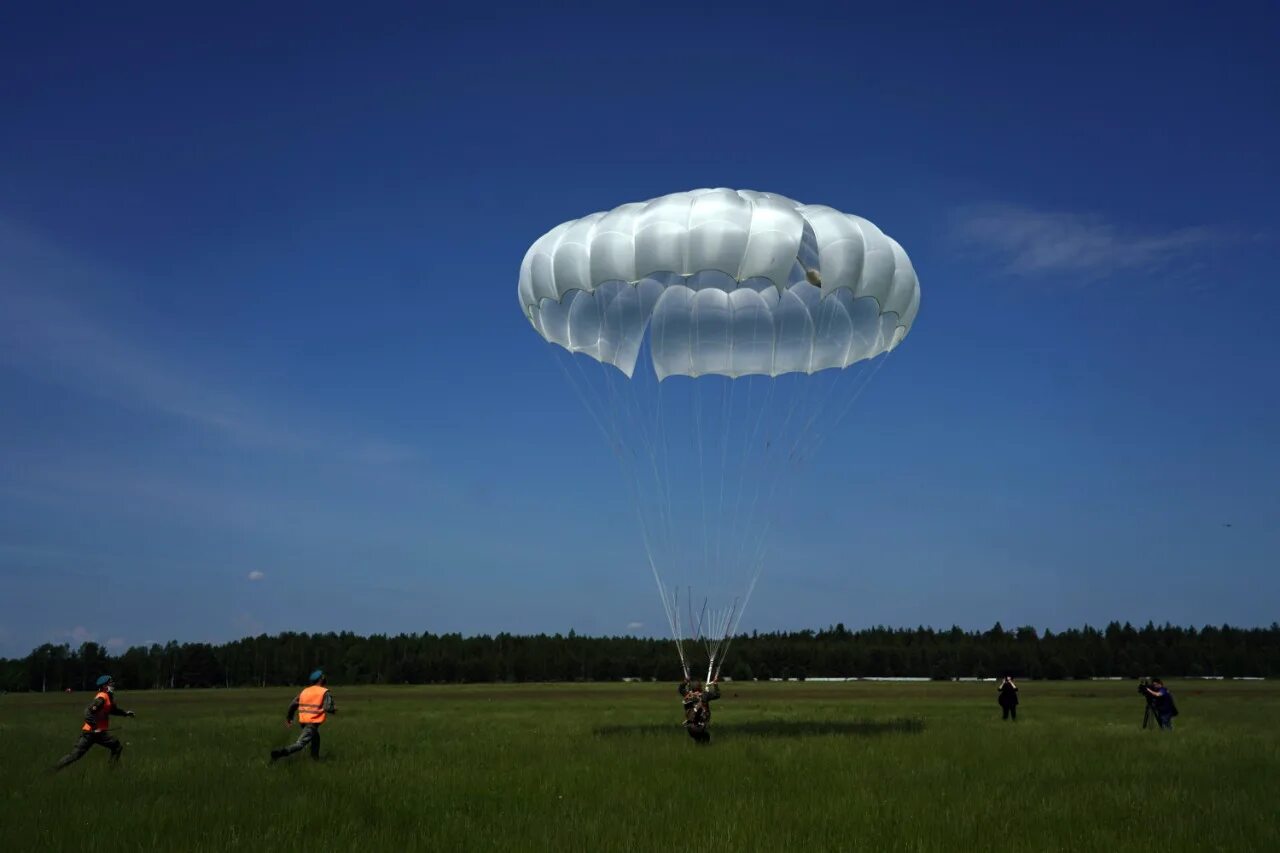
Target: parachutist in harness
x=697, y=709
x=728, y=289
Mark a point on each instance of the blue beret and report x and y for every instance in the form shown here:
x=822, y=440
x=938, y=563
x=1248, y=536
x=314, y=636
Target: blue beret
x=317, y=675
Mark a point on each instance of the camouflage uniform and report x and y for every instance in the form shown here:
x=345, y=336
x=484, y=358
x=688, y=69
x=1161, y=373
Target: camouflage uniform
x=697, y=710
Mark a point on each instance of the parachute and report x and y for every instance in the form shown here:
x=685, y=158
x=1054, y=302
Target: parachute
x=716, y=337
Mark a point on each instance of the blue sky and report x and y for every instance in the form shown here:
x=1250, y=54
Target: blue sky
x=262, y=365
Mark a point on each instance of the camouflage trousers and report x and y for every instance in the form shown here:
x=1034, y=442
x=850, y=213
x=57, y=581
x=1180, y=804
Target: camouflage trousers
x=86, y=742
x=698, y=730
x=310, y=737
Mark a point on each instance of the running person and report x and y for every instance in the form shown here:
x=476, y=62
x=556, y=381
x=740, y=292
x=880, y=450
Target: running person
x=96, y=724
x=311, y=707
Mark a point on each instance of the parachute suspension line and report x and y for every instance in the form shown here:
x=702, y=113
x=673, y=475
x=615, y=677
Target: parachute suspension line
x=772, y=463
x=869, y=373
x=702, y=478
x=610, y=429
x=623, y=398
x=819, y=410
x=673, y=613
x=718, y=641
x=736, y=608
x=780, y=433
x=662, y=477
x=595, y=414
x=729, y=618
x=795, y=454
x=751, y=430
x=756, y=544
x=726, y=416
x=866, y=372
x=626, y=394
x=702, y=617
x=742, y=534
x=862, y=378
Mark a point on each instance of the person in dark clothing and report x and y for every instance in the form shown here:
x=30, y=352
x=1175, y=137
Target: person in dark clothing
x=96, y=723
x=697, y=708
x=1008, y=698
x=311, y=706
x=1162, y=701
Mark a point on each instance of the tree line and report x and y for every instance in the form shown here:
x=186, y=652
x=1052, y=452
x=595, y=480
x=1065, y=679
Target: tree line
x=283, y=659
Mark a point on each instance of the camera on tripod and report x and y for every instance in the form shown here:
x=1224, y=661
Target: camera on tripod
x=1152, y=712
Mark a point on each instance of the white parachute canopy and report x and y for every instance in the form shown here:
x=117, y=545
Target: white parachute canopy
x=721, y=323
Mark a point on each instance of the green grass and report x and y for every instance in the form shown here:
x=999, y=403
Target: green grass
x=606, y=767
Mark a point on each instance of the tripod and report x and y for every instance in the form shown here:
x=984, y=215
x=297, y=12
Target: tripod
x=1152, y=714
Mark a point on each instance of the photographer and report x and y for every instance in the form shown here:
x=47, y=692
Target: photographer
x=1007, y=696
x=1161, y=702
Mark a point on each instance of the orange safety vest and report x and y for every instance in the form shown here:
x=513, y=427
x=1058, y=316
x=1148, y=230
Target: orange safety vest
x=102, y=715
x=311, y=705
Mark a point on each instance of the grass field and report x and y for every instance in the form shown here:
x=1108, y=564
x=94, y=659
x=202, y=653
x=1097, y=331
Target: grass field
x=856, y=766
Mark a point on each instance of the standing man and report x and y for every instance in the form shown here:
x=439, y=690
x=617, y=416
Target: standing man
x=94, y=730
x=311, y=705
x=1008, y=698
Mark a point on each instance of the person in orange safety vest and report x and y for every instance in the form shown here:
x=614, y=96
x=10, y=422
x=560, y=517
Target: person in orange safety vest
x=311, y=706
x=96, y=724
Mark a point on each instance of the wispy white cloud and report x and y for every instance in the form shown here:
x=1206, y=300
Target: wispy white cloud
x=634, y=626
x=1025, y=241
x=268, y=510
x=52, y=336
x=256, y=575
x=50, y=331
x=116, y=643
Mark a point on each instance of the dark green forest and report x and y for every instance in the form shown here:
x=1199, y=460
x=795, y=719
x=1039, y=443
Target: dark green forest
x=1117, y=650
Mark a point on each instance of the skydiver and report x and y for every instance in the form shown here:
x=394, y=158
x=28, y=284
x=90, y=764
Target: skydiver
x=697, y=708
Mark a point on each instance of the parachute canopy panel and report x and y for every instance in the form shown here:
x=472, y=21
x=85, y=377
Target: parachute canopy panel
x=724, y=282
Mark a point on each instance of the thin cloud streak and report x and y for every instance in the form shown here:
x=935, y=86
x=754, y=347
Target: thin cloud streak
x=48, y=335
x=1026, y=241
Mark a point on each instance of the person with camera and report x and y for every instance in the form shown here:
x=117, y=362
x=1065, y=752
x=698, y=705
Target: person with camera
x=1007, y=696
x=1160, y=701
